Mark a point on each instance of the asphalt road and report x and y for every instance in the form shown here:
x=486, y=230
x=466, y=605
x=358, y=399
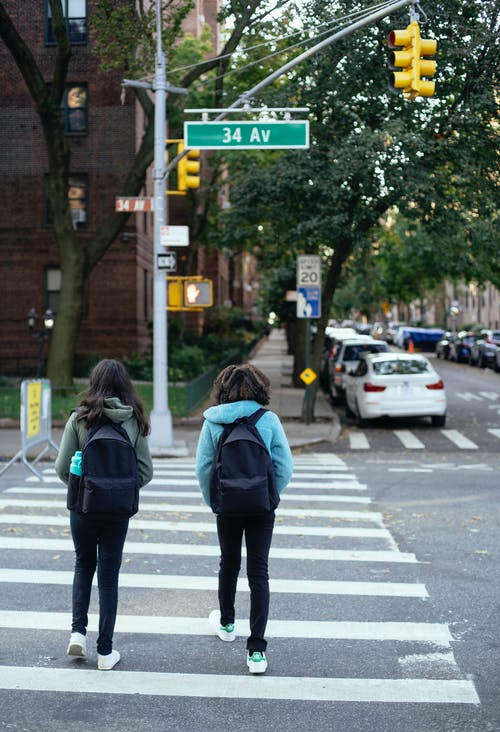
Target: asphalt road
x=385, y=595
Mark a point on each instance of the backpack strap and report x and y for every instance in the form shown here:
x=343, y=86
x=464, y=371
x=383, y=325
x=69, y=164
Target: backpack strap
x=254, y=418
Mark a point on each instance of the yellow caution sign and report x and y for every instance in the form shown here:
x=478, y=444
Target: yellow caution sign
x=308, y=376
x=34, y=408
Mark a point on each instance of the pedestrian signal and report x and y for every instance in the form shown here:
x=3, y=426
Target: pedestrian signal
x=407, y=64
x=198, y=293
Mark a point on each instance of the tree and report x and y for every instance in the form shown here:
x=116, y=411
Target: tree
x=373, y=152
x=125, y=37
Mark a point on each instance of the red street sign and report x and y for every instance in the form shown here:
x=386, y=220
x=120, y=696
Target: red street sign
x=131, y=204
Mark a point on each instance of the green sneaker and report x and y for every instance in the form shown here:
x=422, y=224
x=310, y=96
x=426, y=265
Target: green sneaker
x=256, y=662
x=226, y=632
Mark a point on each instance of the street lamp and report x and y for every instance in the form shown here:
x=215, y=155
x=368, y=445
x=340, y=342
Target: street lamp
x=42, y=335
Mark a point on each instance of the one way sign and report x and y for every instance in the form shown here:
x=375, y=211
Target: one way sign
x=167, y=261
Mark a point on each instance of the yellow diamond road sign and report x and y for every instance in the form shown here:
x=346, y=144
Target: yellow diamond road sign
x=308, y=376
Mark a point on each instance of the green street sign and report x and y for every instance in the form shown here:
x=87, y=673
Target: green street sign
x=246, y=135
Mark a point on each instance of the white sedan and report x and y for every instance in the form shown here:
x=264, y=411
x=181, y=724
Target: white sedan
x=395, y=385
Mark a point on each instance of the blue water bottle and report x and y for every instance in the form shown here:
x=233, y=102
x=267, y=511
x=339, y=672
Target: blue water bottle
x=76, y=463
x=75, y=472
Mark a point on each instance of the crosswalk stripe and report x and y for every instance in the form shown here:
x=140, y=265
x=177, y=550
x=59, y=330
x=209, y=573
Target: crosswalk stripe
x=151, y=683
x=358, y=441
x=198, y=527
x=191, y=582
x=203, y=550
x=435, y=633
x=313, y=484
x=495, y=432
x=146, y=493
x=409, y=440
x=197, y=508
x=459, y=439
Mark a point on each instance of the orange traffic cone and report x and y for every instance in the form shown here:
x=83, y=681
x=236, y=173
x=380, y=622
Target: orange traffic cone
x=411, y=347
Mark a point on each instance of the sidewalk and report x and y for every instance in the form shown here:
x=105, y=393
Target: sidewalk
x=271, y=357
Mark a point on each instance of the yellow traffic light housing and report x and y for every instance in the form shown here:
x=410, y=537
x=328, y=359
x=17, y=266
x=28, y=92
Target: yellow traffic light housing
x=407, y=64
x=193, y=293
x=188, y=169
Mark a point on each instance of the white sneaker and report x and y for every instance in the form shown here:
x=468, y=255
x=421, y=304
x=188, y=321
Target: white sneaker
x=77, y=645
x=225, y=632
x=106, y=663
x=256, y=662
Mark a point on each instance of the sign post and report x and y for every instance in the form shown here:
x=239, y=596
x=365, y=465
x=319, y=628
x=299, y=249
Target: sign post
x=308, y=306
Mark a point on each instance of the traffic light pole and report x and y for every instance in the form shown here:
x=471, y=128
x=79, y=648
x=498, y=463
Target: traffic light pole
x=161, y=437
x=161, y=417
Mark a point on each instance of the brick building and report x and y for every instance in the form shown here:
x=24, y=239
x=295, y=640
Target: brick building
x=103, y=135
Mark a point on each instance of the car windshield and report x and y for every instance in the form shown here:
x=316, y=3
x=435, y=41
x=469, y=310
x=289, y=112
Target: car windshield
x=353, y=353
x=402, y=366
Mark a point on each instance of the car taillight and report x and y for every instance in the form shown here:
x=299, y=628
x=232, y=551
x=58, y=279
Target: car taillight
x=372, y=387
x=338, y=369
x=438, y=385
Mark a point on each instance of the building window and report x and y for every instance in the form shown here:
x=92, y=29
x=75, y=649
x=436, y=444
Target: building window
x=75, y=12
x=52, y=288
x=77, y=197
x=74, y=109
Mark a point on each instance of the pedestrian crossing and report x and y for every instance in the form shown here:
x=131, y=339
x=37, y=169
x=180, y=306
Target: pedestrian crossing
x=337, y=577
x=355, y=439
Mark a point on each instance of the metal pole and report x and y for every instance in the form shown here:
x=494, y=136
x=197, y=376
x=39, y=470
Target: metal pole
x=161, y=418
x=308, y=395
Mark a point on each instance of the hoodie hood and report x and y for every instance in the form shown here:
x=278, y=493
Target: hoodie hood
x=115, y=411
x=227, y=413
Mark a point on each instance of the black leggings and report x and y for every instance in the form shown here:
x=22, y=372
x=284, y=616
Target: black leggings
x=258, y=532
x=98, y=543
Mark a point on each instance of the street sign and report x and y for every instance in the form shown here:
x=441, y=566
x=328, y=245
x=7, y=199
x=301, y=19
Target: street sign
x=167, y=261
x=308, y=286
x=308, y=376
x=247, y=135
x=133, y=204
x=308, y=302
x=174, y=236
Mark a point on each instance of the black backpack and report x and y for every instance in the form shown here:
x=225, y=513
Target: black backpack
x=109, y=482
x=243, y=481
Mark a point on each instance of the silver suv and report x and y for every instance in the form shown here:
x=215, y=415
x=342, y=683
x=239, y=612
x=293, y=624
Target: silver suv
x=347, y=357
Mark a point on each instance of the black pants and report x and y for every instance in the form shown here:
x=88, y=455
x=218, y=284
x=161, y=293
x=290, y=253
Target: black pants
x=98, y=543
x=258, y=532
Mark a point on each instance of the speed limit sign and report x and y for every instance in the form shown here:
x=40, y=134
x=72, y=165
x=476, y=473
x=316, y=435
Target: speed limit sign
x=308, y=270
x=308, y=286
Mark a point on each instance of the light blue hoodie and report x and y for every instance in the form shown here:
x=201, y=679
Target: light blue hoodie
x=269, y=427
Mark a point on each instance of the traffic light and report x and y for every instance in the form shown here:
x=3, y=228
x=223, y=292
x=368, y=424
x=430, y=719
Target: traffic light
x=188, y=169
x=198, y=293
x=405, y=59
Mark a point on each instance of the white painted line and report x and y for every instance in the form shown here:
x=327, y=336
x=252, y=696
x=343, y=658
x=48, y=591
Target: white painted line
x=203, y=550
x=294, y=484
x=410, y=470
x=188, y=508
x=459, y=439
x=191, y=526
x=190, y=582
x=409, y=440
x=495, y=432
x=406, y=691
x=435, y=633
x=146, y=493
x=358, y=441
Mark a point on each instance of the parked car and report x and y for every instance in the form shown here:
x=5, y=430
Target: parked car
x=484, y=350
x=333, y=336
x=460, y=347
x=347, y=357
x=391, y=330
x=443, y=346
x=395, y=385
